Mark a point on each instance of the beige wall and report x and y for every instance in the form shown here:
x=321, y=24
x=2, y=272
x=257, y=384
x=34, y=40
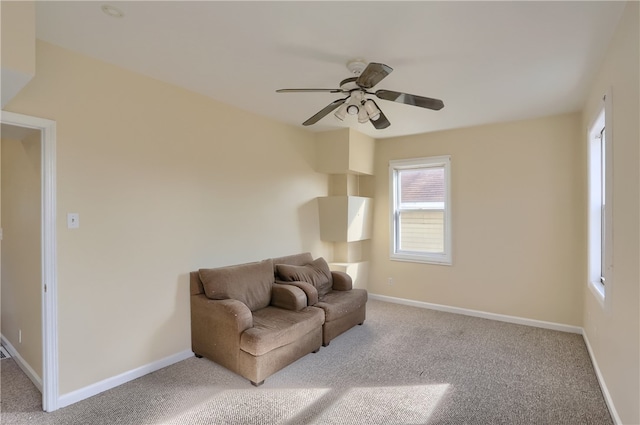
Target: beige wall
x=21, y=248
x=165, y=181
x=614, y=332
x=18, y=46
x=518, y=225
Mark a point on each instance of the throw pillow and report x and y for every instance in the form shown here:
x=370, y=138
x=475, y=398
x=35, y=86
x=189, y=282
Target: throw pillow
x=316, y=273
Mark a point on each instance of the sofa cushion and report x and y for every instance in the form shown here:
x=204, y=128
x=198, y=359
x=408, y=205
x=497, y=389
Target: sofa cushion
x=294, y=260
x=317, y=273
x=249, y=283
x=339, y=303
x=274, y=328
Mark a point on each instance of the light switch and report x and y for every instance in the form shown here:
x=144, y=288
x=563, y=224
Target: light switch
x=73, y=220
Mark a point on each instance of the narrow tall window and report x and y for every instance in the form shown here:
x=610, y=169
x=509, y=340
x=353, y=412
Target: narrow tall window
x=603, y=204
x=420, y=210
x=600, y=214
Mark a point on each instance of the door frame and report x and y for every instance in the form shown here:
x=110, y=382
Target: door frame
x=49, y=252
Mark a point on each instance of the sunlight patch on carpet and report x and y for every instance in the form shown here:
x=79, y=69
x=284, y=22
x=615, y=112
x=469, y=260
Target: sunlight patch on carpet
x=343, y=406
x=385, y=405
x=251, y=406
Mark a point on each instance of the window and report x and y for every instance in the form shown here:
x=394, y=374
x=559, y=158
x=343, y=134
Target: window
x=603, y=203
x=421, y=210
x=600, y=172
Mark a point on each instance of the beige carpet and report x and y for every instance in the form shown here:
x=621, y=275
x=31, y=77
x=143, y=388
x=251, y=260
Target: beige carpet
x=405, y=365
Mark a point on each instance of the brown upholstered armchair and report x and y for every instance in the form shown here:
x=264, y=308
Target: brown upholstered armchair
x=245, y=322
x=332, y=291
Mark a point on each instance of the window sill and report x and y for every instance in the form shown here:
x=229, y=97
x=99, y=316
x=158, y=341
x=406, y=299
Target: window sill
x=436, y=260
x=597, y=289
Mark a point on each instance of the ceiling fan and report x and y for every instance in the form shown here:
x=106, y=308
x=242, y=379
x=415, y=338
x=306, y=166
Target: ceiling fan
x=356, y=102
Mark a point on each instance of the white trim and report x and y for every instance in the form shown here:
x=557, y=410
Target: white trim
x=49, y=253
x=603, y=385
x=597, y=290
x=482, y=314
x=26, y=368
x=114, y=381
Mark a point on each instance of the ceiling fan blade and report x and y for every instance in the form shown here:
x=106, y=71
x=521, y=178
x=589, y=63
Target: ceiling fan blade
x=410, y=99
x=382, y=121
x=325, y=111
x=373, y=74
x=309, y=90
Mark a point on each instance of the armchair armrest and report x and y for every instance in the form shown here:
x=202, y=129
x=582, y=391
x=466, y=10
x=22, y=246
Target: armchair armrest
x=310, y=291
x=341, y=281
x=216, y=328
x=288, y=297
x=214, y=314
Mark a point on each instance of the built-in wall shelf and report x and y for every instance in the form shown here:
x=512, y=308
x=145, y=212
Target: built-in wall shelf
x=345, y=218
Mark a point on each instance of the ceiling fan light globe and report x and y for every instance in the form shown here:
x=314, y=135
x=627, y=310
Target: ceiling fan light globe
x=372, y=109
x=352, y=109
x=363, y=116
x=341, y=112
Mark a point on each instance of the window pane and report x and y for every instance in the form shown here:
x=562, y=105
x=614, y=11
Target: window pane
x=419, y=186
x=422, y=231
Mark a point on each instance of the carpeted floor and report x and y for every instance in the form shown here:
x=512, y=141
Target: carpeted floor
x=405, y=365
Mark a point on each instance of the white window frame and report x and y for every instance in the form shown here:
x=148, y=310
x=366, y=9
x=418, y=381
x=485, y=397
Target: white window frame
x=444, y=258
x=600, y=221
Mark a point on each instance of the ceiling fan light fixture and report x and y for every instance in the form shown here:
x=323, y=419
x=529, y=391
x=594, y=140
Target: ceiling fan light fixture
x=352, y=109
x=363, y=116
x=341, y=112
x=372, y=110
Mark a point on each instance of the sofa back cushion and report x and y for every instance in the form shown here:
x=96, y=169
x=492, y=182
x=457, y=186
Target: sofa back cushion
x=249, y=283
x=292, y=260
x=317, y=273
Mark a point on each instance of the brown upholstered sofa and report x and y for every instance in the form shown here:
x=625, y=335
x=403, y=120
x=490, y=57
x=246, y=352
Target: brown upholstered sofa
x=257, y=318
x=245, y=322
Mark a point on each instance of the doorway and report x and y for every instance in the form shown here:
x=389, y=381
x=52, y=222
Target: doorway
x=47, y=129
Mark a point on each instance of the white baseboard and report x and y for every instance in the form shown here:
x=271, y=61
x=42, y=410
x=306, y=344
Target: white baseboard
x=109, y=383
x=481, y=314
x=603, y=385
x=26, y=368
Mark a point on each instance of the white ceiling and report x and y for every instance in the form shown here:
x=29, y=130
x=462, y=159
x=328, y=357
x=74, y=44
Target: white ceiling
x=488, y=61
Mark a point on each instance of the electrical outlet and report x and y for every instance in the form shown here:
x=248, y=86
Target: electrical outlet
x=390, y=281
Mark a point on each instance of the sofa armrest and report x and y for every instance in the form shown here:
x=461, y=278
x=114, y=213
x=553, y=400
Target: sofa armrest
x=288, y=297
x=341, y=281
x=216, y=328
x=310, y=291
x=232, y=315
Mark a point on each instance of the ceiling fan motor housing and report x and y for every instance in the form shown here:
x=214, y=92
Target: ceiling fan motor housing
x=356, y=66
